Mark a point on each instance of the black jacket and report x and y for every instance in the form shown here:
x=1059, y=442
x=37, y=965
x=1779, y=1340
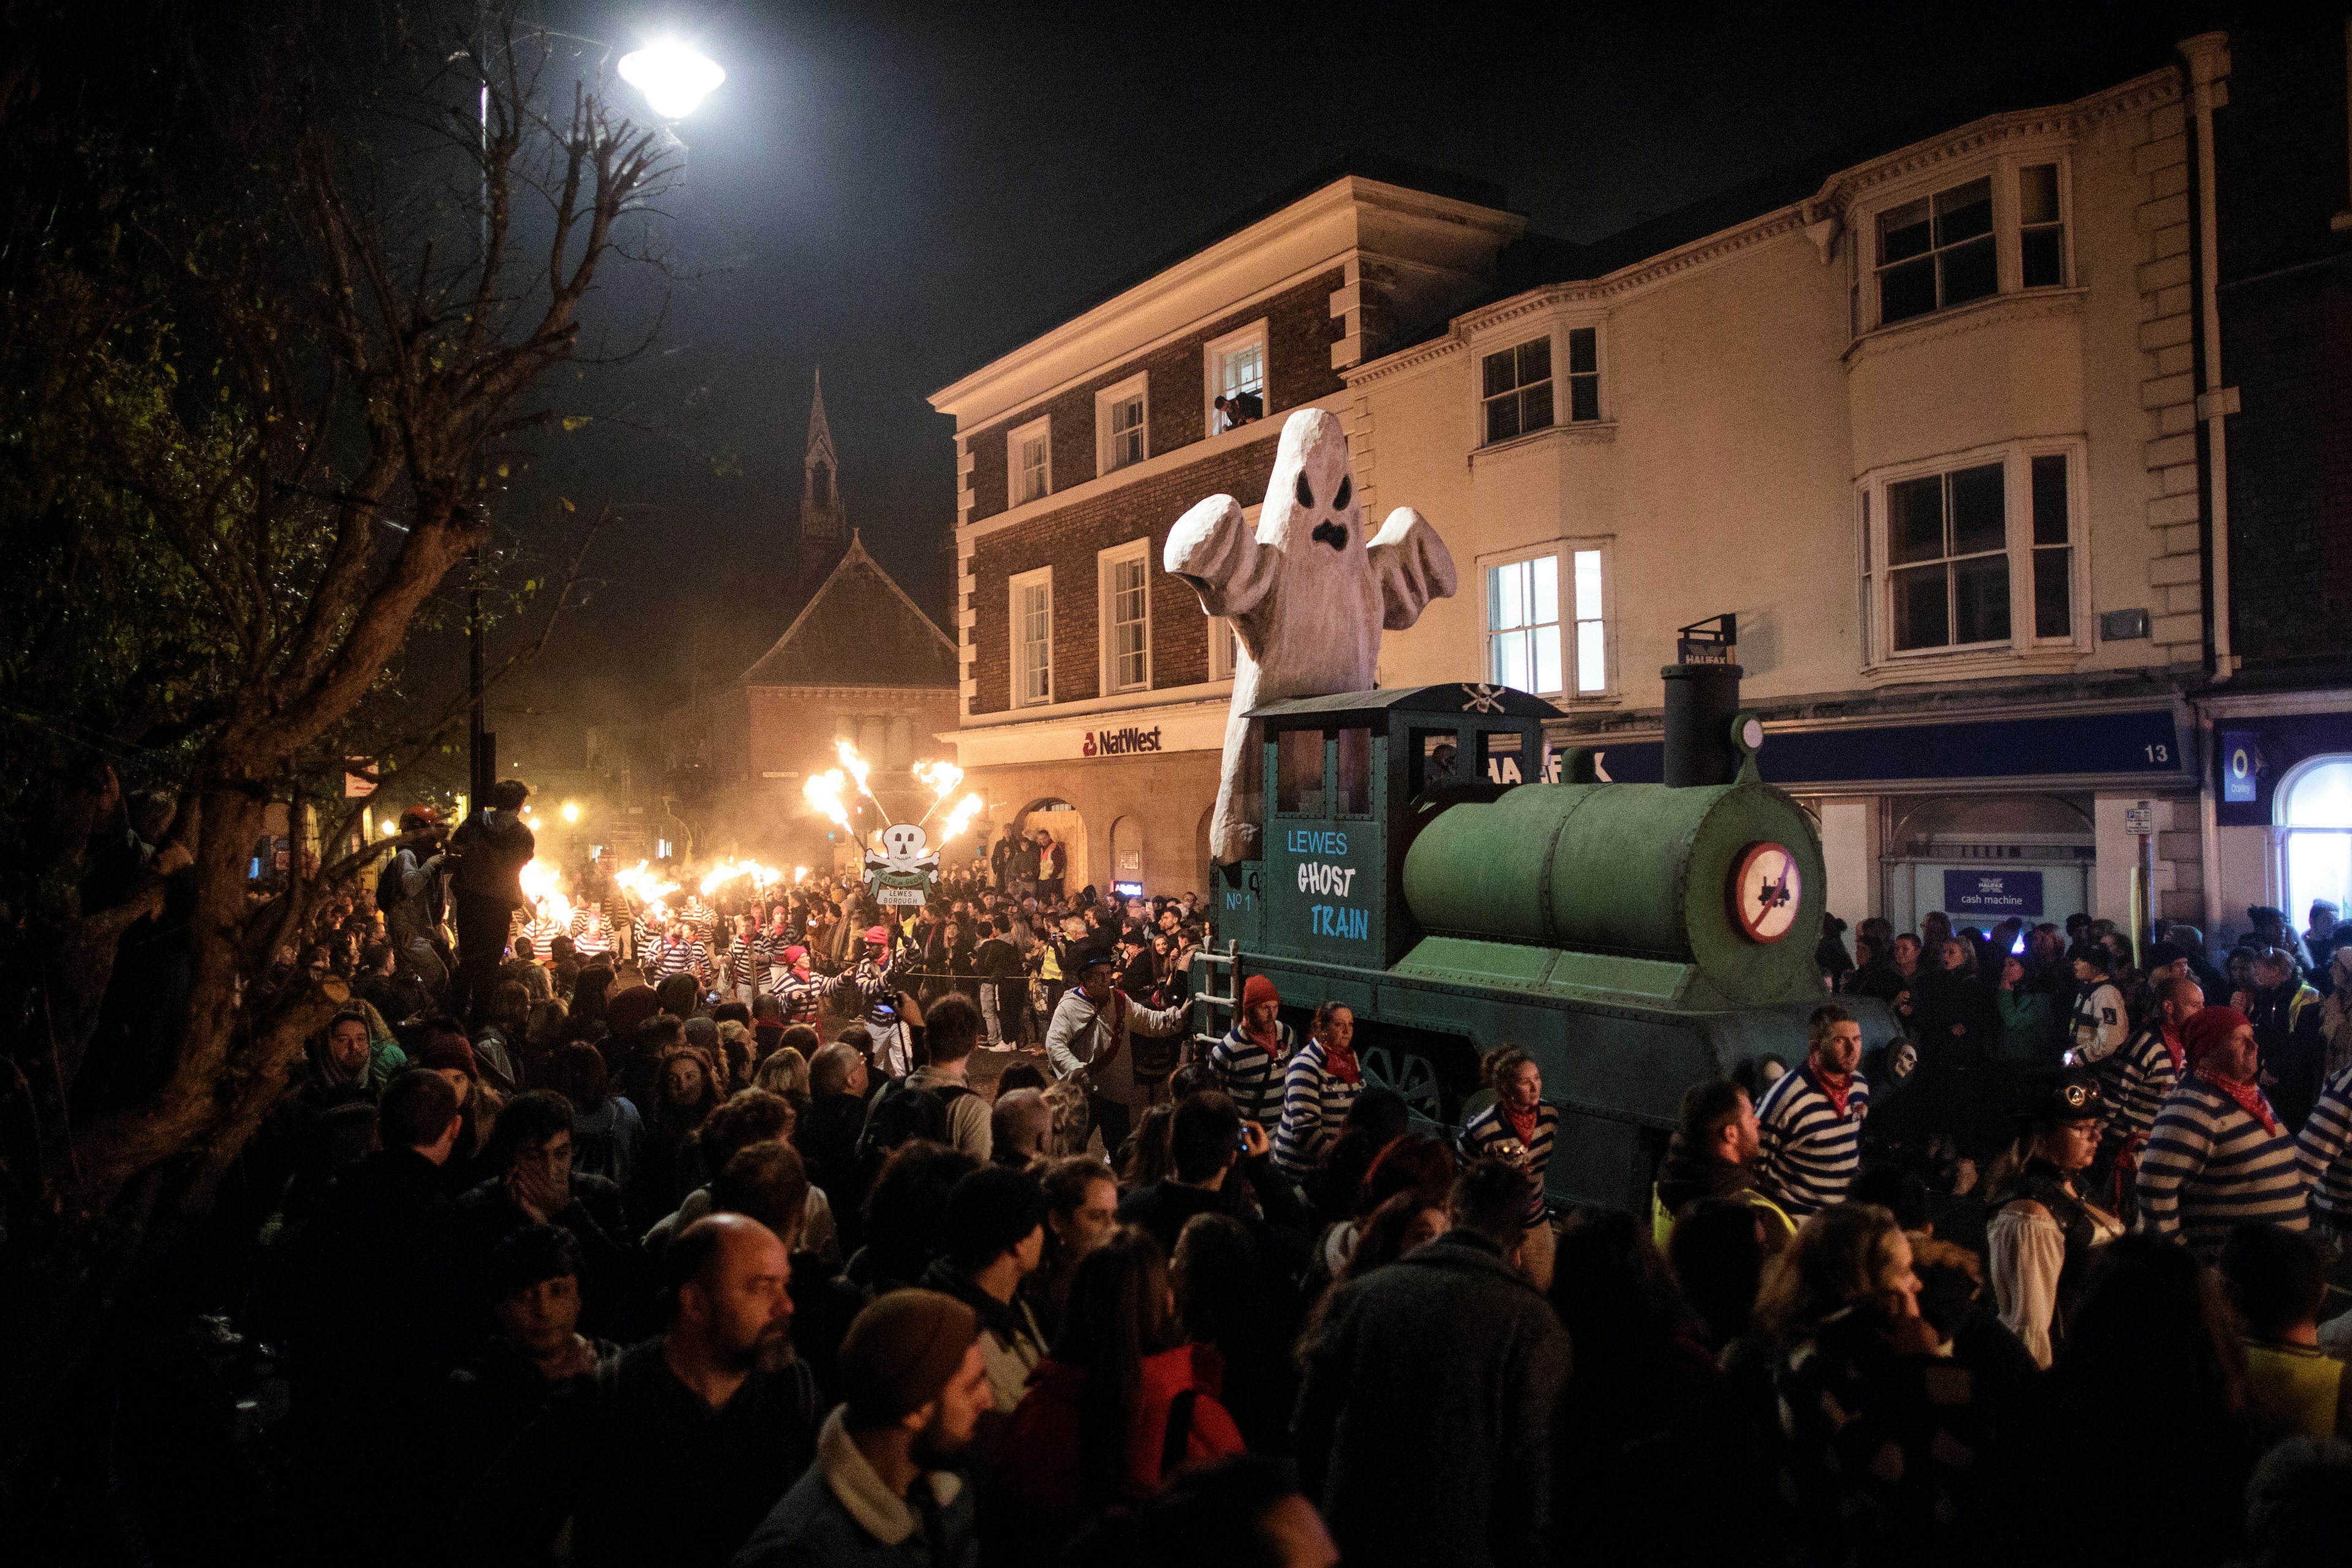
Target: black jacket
x=380, y=1312
x=1425, y=1422
x=492, y=847
x=608, y=1257
x=646, y=1471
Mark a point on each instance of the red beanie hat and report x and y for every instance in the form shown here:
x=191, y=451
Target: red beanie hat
x=448, y=1050
x=1257, y=988
x=2208, y=1028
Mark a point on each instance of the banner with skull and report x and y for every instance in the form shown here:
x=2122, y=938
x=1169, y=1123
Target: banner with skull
x=901, y=872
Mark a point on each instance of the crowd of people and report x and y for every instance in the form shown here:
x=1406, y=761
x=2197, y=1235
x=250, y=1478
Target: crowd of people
x=682, y=1230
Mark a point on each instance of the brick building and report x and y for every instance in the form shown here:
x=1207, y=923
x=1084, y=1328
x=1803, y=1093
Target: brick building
x=860, y=661
x=2274, y=363
x=1925, y=425
x=2017, y=571
x=1092, y=691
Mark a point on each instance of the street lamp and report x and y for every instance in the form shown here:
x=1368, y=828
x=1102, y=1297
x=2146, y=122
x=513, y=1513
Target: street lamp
x=674, y=79
x=571, y=811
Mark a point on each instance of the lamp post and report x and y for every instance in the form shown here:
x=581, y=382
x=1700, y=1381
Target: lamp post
x=673, y=79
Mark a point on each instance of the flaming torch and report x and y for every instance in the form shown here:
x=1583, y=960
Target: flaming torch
x=940, y=779
x=822, y=791
x=858, y=770
x=960, y=818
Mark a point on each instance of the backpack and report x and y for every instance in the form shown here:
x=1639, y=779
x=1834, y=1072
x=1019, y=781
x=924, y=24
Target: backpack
x=387, y=885
x=901, y=1113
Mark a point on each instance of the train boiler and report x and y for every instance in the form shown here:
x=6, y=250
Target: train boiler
x=1423, y=859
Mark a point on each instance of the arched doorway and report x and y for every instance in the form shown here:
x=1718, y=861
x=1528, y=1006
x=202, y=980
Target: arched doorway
x=1061, y=819
x=1127, y=856
x=2313, y=809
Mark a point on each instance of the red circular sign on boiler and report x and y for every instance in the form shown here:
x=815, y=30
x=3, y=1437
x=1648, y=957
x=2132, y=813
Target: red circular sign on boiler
x=1766, y=888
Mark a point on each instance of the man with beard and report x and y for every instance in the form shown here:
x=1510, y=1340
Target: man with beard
x=673, y=1452
x=1714, y=1153
x=914, y=1384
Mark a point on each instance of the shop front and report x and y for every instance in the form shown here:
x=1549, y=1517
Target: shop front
x=1126, y=792
x=2280, y=773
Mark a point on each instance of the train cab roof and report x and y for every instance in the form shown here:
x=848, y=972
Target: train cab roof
x=1452, y=697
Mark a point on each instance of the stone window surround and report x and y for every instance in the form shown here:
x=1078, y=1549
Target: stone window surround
x=1106, y=600
x=2024, y=653
x=2004, y=163
x=1040, y=427
x=1014, y=586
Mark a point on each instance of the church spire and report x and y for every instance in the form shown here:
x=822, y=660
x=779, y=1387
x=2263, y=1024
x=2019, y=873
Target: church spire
x=821, y=509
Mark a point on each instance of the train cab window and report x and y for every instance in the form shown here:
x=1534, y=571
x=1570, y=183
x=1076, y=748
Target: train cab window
x=1354, y=795
x=1298, y=773
x=1502, y=759
x=1434, y=758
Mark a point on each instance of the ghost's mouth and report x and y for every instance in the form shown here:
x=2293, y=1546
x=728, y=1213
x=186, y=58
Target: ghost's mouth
x=1331, y=533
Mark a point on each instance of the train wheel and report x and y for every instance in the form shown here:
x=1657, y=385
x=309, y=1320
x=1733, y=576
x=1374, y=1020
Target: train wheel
x=1411, y=1076
x=1434, y=1071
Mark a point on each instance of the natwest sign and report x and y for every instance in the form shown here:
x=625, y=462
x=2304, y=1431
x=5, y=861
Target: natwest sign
x=1120, y=743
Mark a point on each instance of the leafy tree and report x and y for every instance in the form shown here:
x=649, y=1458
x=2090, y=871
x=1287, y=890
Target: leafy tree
x=279, y=294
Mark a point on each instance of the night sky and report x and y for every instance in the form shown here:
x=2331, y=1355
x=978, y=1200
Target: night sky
x=901, y=192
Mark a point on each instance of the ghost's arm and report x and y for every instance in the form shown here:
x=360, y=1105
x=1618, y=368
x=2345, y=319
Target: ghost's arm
x=1213, y=548
x=1412, y=567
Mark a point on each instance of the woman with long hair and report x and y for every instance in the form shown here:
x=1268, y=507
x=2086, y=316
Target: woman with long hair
x=607, y=1129
x=2151, y=1355
x=589, y=994
x=686, y=1091
x=1120, y=1405
x=1877, y=1433
x=1222, y=1301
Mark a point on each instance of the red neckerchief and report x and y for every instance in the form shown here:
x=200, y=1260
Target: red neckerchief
x=2171, y=1038
x=1339, y=1061
x=2248, y=1096
x=1834, y=1087
x=1113, y=1011
x=1268, y=1039
x=1523, y=1127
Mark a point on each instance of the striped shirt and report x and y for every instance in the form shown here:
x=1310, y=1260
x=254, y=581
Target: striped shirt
x=588, y=936
x=1251, y=1073
x=1491, y=1127
x=679, y=958
x=1810, y=1150
x=743, y=962
x=2210, y=1166
x=799, y=990
x=2325, y=1151
x=543, y=934
x=1315, y=1101
x=2134, y=1081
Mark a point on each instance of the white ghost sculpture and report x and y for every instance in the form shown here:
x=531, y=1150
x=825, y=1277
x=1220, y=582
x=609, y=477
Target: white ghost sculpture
x=1307, y=594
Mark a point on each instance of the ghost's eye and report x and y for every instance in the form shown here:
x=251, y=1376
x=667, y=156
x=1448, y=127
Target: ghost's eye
x=1347, y=489
x=1305, y=495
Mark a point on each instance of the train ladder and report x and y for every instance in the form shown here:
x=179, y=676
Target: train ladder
x=1210, y=1007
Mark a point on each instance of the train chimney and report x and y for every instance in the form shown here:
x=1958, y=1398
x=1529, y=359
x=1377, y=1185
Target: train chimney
x=1702, y=699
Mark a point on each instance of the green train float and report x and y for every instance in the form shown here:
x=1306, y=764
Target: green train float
x=1635, y=938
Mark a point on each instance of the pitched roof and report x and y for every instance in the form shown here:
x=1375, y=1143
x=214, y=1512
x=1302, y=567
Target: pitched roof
x=859, y=630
